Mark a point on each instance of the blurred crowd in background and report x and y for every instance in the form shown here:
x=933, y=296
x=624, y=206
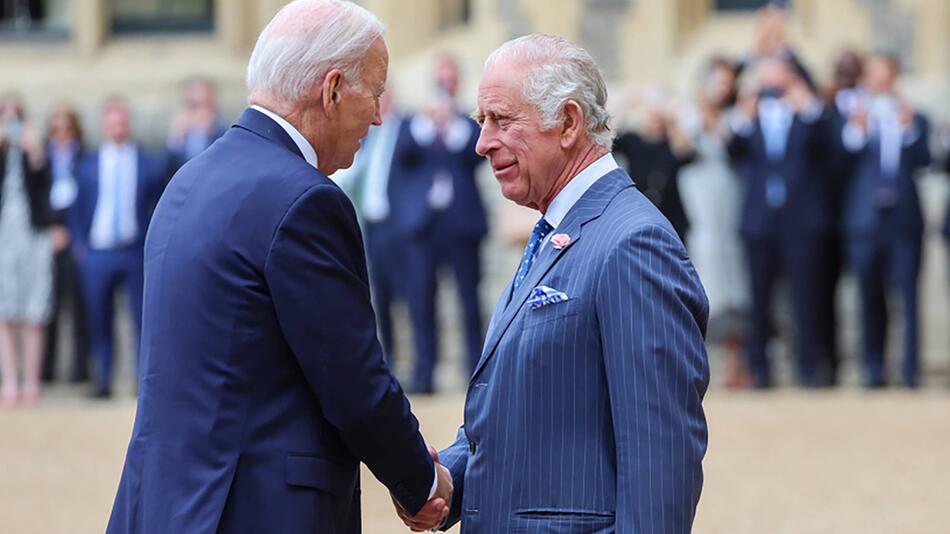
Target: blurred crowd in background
x=770, y=176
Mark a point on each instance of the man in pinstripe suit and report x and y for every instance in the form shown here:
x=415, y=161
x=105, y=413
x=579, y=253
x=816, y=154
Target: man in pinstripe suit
x=584, y=414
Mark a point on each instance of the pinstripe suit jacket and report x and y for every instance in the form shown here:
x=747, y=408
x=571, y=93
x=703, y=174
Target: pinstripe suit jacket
x=585, y=416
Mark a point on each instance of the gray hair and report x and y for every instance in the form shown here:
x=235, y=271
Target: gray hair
x=304, y=41
x=559, y=71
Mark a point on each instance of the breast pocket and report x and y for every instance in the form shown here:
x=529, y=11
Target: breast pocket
x=551, y=312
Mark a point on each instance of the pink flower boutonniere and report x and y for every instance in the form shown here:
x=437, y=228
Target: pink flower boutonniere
x=560, y=241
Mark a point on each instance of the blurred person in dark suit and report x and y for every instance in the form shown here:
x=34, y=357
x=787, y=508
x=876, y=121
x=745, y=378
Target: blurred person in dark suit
x=946, y=169
x=368, y=184
x=882, y=219
x=196, y=125
x=771, y=41
x=787, y=214
x=63, y=147
x=837, y=164
x=26, y=254
x=439, y=211
x=653, y=153
x=118, y=186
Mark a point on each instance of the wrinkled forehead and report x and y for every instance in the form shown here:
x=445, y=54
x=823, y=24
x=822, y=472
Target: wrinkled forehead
x=376, y=63
x=502, y=84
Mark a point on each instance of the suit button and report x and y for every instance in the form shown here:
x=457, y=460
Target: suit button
x=471, y=447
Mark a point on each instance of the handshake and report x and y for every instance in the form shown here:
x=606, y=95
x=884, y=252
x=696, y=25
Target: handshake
x=434, y=512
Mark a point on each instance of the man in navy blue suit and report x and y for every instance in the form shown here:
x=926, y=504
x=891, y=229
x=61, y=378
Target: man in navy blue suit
x=786, y=218
x=117, y=188
x=262, y=383
x=440, y=215
x=584, y=414
x=882, y=220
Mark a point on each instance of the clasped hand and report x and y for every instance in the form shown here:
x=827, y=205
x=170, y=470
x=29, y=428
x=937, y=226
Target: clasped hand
x=433, y=513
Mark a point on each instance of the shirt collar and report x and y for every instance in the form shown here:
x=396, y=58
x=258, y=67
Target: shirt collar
x=110, y=149
x=305, y=147
x=576, y=188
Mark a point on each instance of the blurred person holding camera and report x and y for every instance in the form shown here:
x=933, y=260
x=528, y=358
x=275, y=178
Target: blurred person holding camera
x=653, y=151
x=64, y=147
x=713, y=241
x=26, y=256
x=787, y=216
x=771, y=41
x=882, y=218
x=946, y=169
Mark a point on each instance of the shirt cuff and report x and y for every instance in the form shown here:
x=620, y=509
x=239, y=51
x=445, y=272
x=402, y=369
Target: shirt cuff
x=812, y=112
x=435, y=481
x=739, y=123
x=422, y=130
x=853, y=137
x=458, y=134
x=911, y=134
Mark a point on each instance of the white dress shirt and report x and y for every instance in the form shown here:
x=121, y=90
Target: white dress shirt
x=115, y=222
x=574, y=190
x=382, y=143
x=64, y=189
x=305, y=147
x=775, y=117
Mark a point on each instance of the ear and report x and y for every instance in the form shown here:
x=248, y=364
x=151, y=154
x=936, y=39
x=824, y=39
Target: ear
x=332, y=90
x=572, y=123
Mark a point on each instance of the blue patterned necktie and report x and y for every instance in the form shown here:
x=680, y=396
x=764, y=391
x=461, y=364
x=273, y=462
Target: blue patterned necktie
x=541, y=230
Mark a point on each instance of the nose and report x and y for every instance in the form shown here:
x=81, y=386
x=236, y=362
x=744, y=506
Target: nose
x=377, y=115
x=487, y=140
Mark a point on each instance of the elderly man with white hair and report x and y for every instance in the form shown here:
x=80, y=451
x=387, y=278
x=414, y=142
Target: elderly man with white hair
x=584, y=414
x=262, y=384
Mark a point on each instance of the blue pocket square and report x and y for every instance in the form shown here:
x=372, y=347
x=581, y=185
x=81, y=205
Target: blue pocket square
x=544, y=295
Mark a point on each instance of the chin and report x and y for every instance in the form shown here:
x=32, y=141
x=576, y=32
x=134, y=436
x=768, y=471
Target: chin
x=515, y=195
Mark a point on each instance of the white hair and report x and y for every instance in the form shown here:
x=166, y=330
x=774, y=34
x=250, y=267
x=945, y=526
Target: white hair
x=304, y=41
x=559, y=71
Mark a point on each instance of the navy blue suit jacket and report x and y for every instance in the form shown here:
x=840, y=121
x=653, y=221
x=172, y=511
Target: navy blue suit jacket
x=149, y=187
x=262, y=385
x=946, y=222
x=808, y=207
x=413, y=169
x=585, y=416
x=176, y=157
x=861, y=215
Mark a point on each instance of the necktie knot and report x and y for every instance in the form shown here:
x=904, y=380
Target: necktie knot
x=541, y=230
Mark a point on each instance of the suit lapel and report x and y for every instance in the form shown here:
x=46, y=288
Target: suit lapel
x=588, y=208
x=92, y=200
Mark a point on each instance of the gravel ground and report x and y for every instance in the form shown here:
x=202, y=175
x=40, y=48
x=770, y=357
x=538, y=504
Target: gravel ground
x=784, y=462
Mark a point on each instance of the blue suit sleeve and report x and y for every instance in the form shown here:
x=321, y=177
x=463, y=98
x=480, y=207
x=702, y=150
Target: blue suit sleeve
x=653, y=312
x=75, y=214
x=918, y=152
x=316, y=272
x=455, y=459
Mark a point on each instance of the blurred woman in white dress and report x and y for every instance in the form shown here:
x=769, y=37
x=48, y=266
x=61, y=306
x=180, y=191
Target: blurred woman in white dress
x=711, y=194
x=26, y=255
